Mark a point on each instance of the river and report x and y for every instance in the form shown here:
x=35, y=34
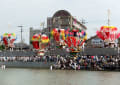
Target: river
x=14, y=76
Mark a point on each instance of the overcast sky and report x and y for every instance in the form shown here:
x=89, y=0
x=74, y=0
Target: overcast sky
x=30, y=13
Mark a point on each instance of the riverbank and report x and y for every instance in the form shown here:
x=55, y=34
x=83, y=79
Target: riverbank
x=41, y=65
x=45, y=65
x=95, y=63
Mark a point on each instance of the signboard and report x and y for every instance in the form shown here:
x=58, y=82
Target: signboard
x=96, y=41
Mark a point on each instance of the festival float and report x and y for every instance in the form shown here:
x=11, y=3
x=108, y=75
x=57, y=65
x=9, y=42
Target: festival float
x=108, y=34
x=40, y=42
x=70, y=39
x=59, y=36
x=8, y=40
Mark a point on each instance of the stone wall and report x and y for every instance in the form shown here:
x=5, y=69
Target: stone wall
x=17, y=53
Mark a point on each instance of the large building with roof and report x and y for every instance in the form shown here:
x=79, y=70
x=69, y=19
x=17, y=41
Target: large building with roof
x=63, y=19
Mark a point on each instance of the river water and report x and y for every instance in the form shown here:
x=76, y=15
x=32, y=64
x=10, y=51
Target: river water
x=13, y=76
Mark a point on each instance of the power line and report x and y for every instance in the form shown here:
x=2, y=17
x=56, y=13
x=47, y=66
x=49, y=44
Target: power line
x=83, y=21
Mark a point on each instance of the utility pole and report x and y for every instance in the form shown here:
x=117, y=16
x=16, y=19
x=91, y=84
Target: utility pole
x=21, y=34
x=83, y=22
x=21, y=31
x=108, y=17
x=109, y=22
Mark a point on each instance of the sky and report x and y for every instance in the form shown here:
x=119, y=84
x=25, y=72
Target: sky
x=30, y=13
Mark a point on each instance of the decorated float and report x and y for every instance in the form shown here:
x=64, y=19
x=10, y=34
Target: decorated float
x=8, y=40
x=70, y=39
x=40, y=42
x=108, y=34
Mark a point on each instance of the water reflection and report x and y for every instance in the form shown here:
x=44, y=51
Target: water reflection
x=57, y=77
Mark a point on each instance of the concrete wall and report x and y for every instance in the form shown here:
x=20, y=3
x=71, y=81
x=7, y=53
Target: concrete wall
x=100, y=51
x=27, y=64
x=57, y=51
x=17, y=53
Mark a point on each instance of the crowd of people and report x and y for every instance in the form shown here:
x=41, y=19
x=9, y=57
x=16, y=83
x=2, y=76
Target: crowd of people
x=76, y=63
x=88, y=63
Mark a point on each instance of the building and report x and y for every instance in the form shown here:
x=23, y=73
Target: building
x=63, y=19
x=94, y=42
x=119, y=42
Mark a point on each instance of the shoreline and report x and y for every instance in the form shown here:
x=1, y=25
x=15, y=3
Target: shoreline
x=41, y=65
x=45, y=65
